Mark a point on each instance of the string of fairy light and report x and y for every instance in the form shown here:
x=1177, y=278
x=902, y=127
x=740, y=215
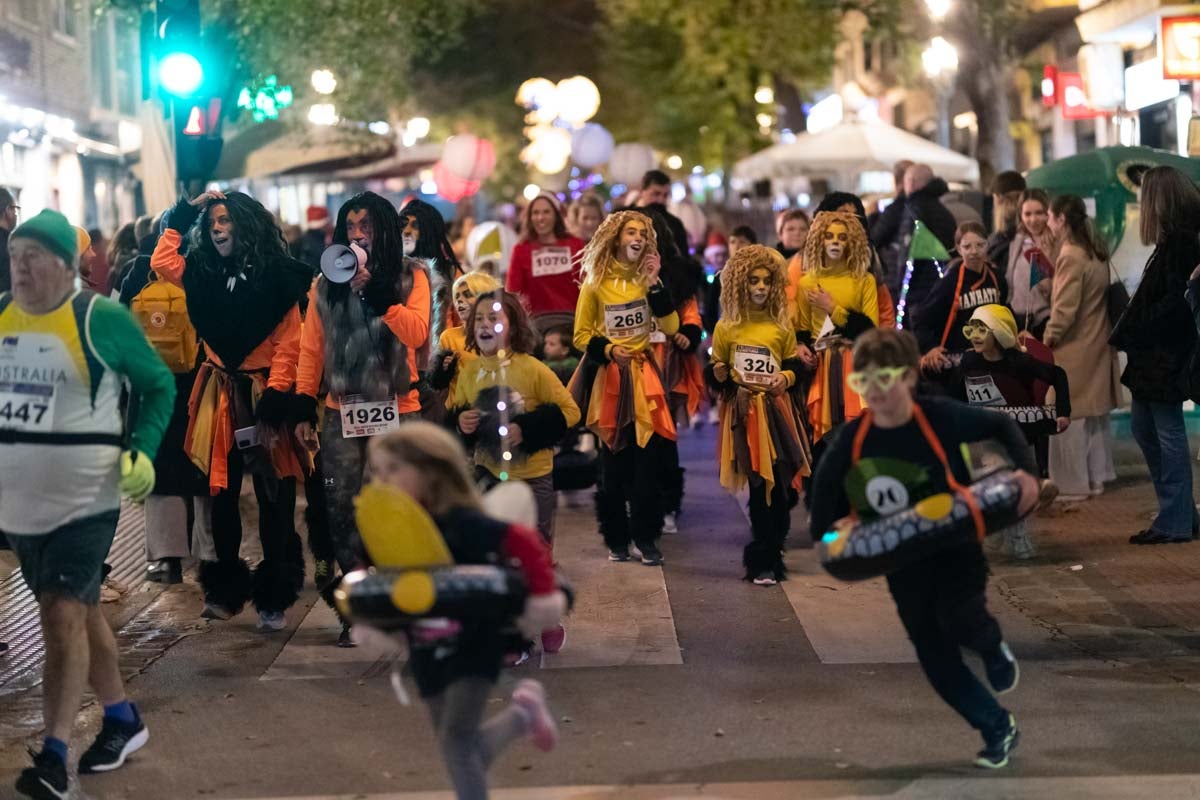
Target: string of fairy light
x=501, y=403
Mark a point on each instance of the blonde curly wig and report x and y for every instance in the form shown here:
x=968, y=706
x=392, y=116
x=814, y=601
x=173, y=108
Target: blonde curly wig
x=735, y=284
x=602, y=249
x=858, y=254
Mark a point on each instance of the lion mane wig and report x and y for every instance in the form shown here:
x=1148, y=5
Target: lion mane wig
x=858, y=254
x=602, y=249
x=735, y=283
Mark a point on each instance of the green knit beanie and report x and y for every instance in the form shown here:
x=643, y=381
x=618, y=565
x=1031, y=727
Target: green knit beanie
x=52, y=230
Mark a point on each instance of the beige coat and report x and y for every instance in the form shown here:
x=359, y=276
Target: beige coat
x=1078, y=332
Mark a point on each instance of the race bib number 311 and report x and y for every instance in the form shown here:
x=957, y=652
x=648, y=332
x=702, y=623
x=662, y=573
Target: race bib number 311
x=27, y=406
x=627, y=320
x=363, y=418
x=982, y=391
x=756, y=365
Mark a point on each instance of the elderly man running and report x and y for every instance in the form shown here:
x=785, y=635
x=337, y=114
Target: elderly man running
x=64, y=463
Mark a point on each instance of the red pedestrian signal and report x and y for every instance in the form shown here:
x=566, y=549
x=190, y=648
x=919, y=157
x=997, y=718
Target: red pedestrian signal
x=196, y=122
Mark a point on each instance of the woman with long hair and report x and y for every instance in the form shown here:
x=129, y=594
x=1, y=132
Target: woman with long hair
x=1081, y=456
x=1007, y=188
x=1031, y=263
x=1158, y=336
x=545, y=265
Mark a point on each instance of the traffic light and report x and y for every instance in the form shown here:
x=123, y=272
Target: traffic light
x=189, y=70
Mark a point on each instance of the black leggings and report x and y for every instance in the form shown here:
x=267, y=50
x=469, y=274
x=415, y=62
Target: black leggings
x=632, y=475
x=769, y=525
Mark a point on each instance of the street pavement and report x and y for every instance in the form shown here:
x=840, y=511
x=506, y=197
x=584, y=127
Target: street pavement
x=683, y=681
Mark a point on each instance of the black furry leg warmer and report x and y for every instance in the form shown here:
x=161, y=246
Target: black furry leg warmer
x=226, y=584
x=277, y=584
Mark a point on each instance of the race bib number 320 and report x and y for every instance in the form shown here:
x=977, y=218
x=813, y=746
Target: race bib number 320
x=627, y=320
x=27, y=406
x=551, y=261
x=363, y=418
x=756, y=365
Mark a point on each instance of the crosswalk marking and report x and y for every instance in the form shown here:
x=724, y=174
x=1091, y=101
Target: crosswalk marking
x=312, y=654
x=842, y=620
x=623, y=614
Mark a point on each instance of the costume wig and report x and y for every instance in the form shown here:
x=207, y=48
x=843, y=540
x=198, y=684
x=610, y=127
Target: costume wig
x=477, y=282
x=387, y=244
x=735, y=283
x=858, y=252
x=433, y=244
x=602, y=249
x=257, y=238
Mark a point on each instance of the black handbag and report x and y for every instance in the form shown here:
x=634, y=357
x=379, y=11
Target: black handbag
x=1116, y=297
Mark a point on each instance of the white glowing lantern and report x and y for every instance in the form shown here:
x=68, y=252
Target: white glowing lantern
x=549, y=150
x=577, y=99
x=469, y=157
x=418, y=127
x=630, y=162
x=591, y=146
x=532, y=190
x=540, y=96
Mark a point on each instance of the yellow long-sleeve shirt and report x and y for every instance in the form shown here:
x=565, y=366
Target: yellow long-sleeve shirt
x=849, y=294
x=617, y=310
x=537, y=386
x=754, y=349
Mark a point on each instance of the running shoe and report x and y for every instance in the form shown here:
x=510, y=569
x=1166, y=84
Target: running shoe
x=766, y=579
x=1002, y=669
x=651, y=555
x=46, y=779
x=322, y=570
x=998, y=747
x=115, y=743
x=618, y=553
x=166, y=570
x=670, y=523
x=344, y=638
x=554, y=638
x=531, y=696
x=214, y=611
x=271, y=621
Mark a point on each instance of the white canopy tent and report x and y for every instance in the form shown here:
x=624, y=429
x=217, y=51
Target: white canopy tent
x=850, y=148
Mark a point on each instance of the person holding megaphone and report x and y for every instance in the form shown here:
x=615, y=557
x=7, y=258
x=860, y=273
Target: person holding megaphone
x=366, y=332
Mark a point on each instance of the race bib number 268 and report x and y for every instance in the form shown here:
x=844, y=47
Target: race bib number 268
x=627, y=319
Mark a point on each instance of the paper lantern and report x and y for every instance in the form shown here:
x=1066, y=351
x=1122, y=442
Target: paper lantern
x=549, y=150
x=629, y=162
x=450, y=186
x=469, y=157
x=591, y=146
x=490, y=246
x=577, y=99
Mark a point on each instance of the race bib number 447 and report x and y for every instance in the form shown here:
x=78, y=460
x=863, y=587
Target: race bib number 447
x=756, y=365
x=363, y=418
x=627, y=319
x=27, y=406
x=551, y=261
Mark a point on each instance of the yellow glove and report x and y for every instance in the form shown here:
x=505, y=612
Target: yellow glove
x=137, y=475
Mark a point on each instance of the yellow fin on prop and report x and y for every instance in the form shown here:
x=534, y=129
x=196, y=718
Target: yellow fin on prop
x=396, y=531
x=936, y=507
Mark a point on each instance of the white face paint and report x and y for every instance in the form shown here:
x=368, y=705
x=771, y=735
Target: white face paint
x=633, y=241
x=410, y=234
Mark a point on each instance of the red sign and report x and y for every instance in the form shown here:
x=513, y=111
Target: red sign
x=1179, y=41
x=1049, y=86
x=1073, y=98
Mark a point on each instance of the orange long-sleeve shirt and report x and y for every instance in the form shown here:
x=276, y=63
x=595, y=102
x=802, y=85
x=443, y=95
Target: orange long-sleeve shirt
x=409, y=322
x=279, y=352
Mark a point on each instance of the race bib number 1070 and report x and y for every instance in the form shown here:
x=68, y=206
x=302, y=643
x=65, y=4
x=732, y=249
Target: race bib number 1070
x=551, y=261
x=756, y=365
x=627, y=319
x=363, y=418
x=27, y=406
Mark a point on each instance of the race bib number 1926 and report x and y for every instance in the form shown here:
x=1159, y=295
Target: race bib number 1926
x=27, y=406
x=627, y=319
x=365, y=418
x=755, y=365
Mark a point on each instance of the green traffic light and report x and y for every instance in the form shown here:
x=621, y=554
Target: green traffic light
x=180, y=74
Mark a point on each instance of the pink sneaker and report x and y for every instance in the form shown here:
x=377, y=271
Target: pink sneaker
x=553, y=639
x=530, y=696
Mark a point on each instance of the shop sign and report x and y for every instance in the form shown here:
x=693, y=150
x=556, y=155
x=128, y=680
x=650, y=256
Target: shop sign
x=1073, y=97
x=1179, y=44
x=1145, y=86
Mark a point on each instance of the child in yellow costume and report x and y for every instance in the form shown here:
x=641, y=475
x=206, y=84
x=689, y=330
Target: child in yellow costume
x=618, y=385
x=452, y=353
x=762, y=441
x=836, y=301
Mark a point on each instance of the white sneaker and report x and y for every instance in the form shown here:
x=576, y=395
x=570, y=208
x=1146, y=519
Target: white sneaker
x=670, y=525
x=766, y=579
x=697, y=420
x=1022, y=545
x=714, y=416
x=530, y=696
x=271, y=621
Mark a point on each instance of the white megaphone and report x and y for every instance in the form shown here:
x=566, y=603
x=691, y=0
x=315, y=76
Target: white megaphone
x=339, y=262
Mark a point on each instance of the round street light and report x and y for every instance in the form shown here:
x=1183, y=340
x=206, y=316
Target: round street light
x=181, y=74
x=939, y=58
x=323, y=81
